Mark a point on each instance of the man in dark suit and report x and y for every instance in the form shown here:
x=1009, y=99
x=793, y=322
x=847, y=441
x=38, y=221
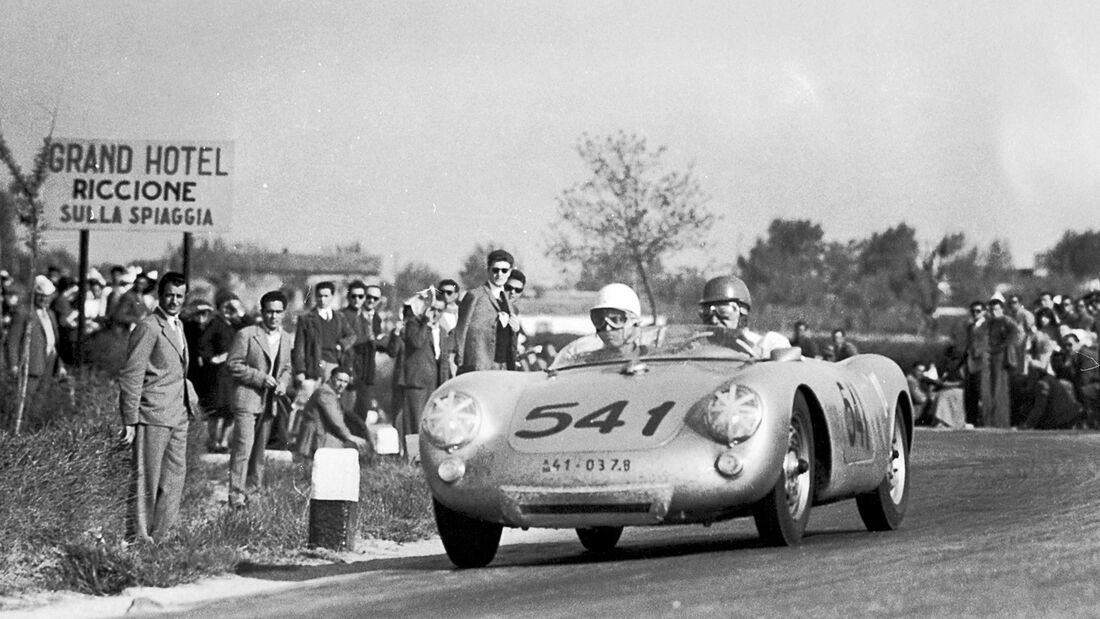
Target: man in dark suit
x=483, y=316
x=40, y=328
x=320, y=339
x=361, y=313
x=259, y=364
x=156, y=402
x=428, y=348
x=975, y=363
x=1002, y=335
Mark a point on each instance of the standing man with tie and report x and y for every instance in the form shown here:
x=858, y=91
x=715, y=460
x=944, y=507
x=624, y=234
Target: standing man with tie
x=362, y=314
x=483, y=317
x=156, y=402
x=259, y=364
x=320, y=339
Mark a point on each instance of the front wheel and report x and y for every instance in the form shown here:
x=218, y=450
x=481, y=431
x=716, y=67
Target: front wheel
x=883, y=508
x=599, y=539
x=468, y=542
x=782, y=514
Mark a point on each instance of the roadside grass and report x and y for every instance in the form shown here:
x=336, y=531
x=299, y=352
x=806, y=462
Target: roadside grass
x=63, y=504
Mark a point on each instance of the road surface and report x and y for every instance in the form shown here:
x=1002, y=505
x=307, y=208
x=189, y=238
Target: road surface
x=1000, y=524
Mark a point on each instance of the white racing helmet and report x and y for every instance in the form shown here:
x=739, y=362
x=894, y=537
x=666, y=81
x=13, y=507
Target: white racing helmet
x=620, y=297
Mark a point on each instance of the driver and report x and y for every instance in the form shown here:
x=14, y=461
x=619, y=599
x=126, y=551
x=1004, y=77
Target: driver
x=726, y=304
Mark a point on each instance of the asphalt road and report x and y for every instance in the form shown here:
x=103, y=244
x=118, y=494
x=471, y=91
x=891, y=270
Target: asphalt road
x=999, y=524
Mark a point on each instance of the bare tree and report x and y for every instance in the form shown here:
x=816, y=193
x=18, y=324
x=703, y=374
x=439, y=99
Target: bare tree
x=632, y=211
x=29, y=211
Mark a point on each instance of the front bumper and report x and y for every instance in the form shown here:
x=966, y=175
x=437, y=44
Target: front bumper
x=593, y=506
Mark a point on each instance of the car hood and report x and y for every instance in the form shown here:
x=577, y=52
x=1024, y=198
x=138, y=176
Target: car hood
x=608, y=408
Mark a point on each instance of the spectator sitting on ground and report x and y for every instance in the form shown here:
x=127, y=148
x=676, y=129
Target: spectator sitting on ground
x=841, y=348
x=1084, y=373
x=323, y=421
x=803, y=341
x=919, y=391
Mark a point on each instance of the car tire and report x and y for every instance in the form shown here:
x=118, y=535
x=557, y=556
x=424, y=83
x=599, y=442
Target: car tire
x=468, y=542
x=599, y=539
x=782, y=514
x=883, y=508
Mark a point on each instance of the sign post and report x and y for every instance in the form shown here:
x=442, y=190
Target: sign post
x=136, y=186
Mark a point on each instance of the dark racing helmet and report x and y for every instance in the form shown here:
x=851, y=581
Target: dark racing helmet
x=726, y=288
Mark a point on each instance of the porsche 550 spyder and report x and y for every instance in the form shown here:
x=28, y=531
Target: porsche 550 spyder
x=683, y=430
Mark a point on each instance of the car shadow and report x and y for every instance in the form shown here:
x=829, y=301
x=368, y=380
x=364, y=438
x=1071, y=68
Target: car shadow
x=541, y=554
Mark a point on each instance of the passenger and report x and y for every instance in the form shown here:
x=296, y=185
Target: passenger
x=615, y=315
x=726, y=303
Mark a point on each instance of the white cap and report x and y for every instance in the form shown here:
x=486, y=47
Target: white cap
x=620, y=297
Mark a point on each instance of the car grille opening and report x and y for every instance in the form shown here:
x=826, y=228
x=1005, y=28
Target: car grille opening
x=586, y=508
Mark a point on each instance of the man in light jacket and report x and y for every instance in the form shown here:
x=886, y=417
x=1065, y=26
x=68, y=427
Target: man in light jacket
x=259, y=364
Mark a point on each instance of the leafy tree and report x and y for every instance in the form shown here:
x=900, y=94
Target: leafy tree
x=890, y=259
x=412, y=278
x=1076, y=254
x=788, y=265
x=28, y=209
x=631, y=211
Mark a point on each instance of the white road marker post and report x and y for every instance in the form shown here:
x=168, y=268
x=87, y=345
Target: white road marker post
x=334, y=498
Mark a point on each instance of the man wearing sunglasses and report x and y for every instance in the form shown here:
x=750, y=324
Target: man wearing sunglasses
x=484, y=316
x=448, y=292
x=726, y=303
x=362, y=314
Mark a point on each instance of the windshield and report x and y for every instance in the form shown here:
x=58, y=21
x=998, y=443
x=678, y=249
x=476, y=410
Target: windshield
x=651, y=342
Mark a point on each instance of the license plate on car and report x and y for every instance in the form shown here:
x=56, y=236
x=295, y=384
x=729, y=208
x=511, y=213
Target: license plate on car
x=585, y=465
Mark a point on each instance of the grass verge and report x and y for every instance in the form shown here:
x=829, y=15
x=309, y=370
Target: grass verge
x=63, y=505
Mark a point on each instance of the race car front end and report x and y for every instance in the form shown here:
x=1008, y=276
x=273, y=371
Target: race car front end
x=603, y=446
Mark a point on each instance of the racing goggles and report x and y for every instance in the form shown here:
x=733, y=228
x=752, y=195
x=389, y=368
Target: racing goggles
x=724, y=311
x=608, y=318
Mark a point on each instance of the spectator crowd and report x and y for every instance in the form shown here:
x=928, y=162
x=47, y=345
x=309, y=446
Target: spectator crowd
x=256, y=385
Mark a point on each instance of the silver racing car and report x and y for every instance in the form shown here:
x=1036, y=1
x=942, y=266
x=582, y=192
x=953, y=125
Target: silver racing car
x=685, y=429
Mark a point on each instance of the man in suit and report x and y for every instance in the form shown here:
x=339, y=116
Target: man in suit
x=975, y=362
x=362, y=314
x=428, y=348
x=483, y=319
x=156, y=402
x=41, y=329
x=259, y=364
x=320, y=339
x=323, y=421
x=1003, y=333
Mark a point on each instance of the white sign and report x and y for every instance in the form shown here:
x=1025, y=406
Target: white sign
x=139, y=186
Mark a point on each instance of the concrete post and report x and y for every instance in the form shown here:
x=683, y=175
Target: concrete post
x=334, y=498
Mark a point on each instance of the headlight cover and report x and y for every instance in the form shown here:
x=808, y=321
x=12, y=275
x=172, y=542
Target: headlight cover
x=733, y=414
x=450, y=420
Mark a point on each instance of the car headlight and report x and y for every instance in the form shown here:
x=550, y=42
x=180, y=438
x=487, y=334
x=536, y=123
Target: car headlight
x=733, y=414
x=450, y=420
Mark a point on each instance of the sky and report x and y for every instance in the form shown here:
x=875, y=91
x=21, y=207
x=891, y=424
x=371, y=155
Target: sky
x=421, y=129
